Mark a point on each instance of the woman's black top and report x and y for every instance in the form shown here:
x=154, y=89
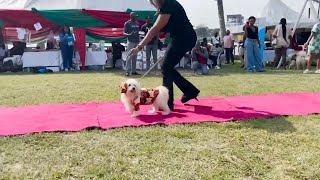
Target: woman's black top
x=179, y=24
x=251, y=34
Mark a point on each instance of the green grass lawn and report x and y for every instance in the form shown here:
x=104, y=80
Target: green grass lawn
x=277, y=148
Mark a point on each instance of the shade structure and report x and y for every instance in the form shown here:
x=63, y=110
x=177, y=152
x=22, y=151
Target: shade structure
x=70, y=17
x=113, y=19
x=36, y=36
x=24, y=19
x=106, y=5
x=142, y=15
x=274, y=10
x=81, y=44
x=94, y=24
x=106, y=34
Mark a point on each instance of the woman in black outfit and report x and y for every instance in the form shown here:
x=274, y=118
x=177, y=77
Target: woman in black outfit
x=173, y=19
x=252, y=45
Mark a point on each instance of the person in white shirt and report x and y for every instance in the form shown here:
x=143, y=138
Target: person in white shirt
x=215, y=40
x=282, y=35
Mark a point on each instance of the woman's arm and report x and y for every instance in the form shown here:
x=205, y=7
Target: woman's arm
x=62, y=39
x=126, y=30
x=161, y=22
x=204, y=54
x=310, y=38
x=275, y=32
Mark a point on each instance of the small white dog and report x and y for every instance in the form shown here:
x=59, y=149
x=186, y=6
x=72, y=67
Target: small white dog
x=301, y=60
x=132, y=96
x=298, y=60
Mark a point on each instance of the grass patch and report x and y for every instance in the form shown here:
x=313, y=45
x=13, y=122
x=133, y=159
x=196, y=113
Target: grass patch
x=277, y=148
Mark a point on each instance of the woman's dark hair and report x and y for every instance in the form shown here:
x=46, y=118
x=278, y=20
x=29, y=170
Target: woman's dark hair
x=283, y=22
x=252, y=17
x=64, y=31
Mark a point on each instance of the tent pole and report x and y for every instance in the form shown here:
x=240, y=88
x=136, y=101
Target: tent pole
x=313, y=10
x=300, y=15
x=318, y=10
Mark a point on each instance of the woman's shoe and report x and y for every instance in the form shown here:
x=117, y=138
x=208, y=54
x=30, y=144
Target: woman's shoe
x=186, y=98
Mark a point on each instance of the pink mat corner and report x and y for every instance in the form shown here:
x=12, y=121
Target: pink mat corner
x=75, y=117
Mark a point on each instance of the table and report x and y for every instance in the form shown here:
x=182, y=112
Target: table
x=42, y=59
x=96, y=58
x=269, y=54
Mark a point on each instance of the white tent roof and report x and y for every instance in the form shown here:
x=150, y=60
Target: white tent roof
x=108, y=5
x=276, y=9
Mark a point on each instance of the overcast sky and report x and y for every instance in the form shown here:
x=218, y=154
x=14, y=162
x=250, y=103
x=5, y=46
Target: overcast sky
x=206, y=11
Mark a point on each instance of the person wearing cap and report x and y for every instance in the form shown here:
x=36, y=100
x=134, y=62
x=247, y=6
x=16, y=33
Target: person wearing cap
x=152, y=46
x=172, y=19
x=131, y=30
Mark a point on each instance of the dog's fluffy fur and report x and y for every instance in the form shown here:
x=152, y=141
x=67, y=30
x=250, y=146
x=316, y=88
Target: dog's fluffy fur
x=298, y=60
x=131, y=94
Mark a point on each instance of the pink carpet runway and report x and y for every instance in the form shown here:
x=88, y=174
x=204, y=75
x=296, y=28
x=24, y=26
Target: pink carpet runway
x=76, y=117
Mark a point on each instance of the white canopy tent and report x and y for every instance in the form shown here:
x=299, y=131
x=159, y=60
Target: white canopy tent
x=275, y=10
x=108, y=5
x=313, y=13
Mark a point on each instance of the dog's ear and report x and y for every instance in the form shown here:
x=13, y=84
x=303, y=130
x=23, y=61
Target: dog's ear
x=124, y=87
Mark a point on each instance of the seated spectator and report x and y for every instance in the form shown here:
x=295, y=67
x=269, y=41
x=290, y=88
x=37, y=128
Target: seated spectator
x=216, y=56
x=200, y=56
x=216, y=40
x=210, y=49
x=18, y=48
x=51, y=42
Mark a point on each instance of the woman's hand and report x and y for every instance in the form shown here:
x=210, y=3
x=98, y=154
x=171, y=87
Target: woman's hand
x=133, y=52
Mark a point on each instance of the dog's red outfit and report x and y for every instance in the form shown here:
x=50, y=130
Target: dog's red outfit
x=147, y=97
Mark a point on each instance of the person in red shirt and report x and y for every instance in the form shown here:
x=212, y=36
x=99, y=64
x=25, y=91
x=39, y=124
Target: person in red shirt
x=200, y=55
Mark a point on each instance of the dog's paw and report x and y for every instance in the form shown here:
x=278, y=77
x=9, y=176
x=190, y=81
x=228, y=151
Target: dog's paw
x=166, y=113
x=152, y=111
x=135, y=114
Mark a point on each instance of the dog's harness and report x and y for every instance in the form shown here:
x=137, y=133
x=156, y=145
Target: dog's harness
x=147, y=97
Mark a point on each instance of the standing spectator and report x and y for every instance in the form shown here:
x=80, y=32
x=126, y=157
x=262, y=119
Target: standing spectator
x=252, y=45
x=152, y=46
x=131, y=30
x=313, y=45
x=216, y=40
x=67, y=47
x=200, y=55
x=228, y=45
x=241, y=54
x=242, y=50
x=117, y=49
x=282, y=36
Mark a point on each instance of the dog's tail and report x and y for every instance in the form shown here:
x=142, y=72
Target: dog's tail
x=164, y=90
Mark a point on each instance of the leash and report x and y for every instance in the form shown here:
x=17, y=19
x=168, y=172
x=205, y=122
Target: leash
x=154, y=65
